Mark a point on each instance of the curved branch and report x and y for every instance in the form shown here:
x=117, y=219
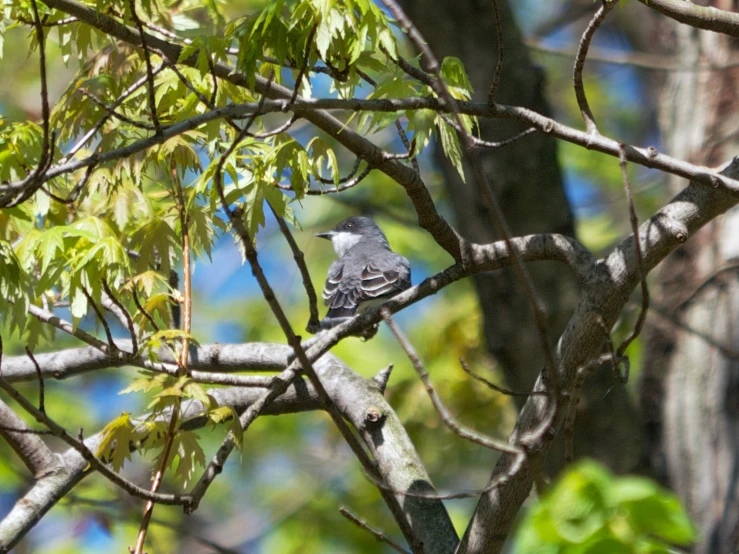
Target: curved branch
x=608, y=287
x=700, y=17
x=582, y=53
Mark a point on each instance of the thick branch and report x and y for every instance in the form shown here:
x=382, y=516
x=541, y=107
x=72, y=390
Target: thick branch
x=700, y=17
x=34, y=453
x=608, y=288
x=50, y=489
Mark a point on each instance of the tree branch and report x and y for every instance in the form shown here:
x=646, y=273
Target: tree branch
x=32, y=451
x=700, y=17
x=582, y=53
x=609, y=286
x=379, y=535
x=477, y=438
x=48, y=490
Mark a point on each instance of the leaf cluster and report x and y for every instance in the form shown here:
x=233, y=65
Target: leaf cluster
x=591, y=511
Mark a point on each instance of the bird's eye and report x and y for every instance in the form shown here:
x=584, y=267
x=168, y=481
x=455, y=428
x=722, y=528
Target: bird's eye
x=350, y=225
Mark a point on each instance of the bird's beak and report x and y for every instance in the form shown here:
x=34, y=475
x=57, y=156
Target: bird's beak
x=327, y=235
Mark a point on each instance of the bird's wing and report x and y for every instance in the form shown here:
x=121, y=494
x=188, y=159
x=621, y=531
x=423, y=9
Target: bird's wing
x=385, y=276
x=340, y=294
x=333, y=280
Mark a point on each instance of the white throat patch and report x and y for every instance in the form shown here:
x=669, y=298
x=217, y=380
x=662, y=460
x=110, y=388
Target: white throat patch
x=343, y=241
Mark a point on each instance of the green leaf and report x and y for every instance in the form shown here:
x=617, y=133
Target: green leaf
x=654, y=511
x=191, y=389
x=421, y=123
x=117, y=437
x=188, y=453
x=51, y=245
x=452, y=149
x=456, y=79
x=148, y=382
x=387, y=41
x=170, y=336
x=589, y=512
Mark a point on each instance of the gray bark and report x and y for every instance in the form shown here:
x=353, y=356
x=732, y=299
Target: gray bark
x=691, y=369
x=605, y=293
x=32, y=451
x=360, y=400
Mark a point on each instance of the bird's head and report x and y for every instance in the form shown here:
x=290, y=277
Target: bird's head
x=351, y=231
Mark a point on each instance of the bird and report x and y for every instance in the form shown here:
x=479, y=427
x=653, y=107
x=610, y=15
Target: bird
x=366, y=273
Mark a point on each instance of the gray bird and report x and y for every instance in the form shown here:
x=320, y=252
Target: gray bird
x=367, y=272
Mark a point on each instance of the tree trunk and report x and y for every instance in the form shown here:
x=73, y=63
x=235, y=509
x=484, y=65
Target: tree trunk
x=690, y=389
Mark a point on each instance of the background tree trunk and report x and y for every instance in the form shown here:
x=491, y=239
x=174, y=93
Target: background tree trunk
x=690, y=389
x=528, y=180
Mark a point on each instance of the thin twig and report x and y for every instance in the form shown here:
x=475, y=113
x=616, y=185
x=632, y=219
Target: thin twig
x=101, y=318
x=398, y=126
x=72, y=198
x=501, y=143
x=310, y=291
x=499, y=64
x=115, y=355
x=448, y=419
x=716, y=276
x=341, y=188
x=668, y=316
x=124, y=95
x=293, y=340
x=112, y=113
x=641, y=60
x=497, y=481
x=146, y=314
x=304, y=68
x=41, y=407
x=277, y=130
x=149, y=70
x=181, y=362
x=642, y=272
x=414, y=72
x=410, y=146
x=582, y=53
x=379, y=535
x=495, y=387
x=342, y=180
x=401, y=156
x=45, y=111
x=34, y=181
x=486, y=143
x=126, y=315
